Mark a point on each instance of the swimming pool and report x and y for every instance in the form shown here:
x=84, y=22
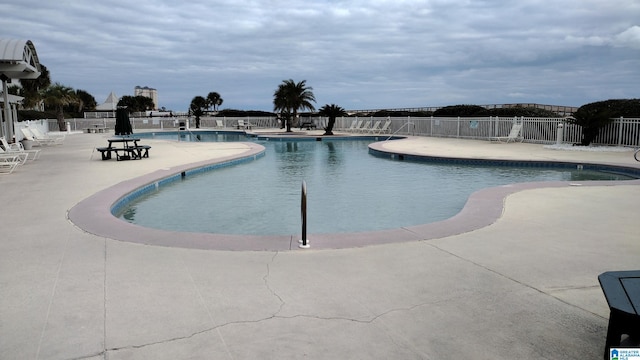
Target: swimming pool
x=349, y=190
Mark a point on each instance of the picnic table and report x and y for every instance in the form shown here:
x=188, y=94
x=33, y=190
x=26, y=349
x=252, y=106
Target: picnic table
x=622, y=291
x=125, y=148
x=308, y=125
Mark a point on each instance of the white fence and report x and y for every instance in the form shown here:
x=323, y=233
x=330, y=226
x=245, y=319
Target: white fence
x=621, y=132
x=161, y=123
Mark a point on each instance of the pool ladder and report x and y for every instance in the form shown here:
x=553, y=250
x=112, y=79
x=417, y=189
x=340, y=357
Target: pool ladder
x=400, y=128
x=193, y=136
x=304, y=243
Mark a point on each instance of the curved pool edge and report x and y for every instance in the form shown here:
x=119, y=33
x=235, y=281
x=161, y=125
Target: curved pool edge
x=377, y=149
x=483, y=208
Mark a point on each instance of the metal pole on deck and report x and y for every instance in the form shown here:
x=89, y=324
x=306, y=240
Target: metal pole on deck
x=559, y=134
x=303, y=212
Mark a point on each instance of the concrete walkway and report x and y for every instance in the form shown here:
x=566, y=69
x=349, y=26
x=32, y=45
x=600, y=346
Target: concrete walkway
x=523, y=287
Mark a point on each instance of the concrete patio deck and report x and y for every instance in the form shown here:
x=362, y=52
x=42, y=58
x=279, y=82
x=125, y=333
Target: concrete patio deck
x=523, y=287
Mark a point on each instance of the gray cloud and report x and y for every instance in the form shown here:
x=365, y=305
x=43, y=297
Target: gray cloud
x=357, y=54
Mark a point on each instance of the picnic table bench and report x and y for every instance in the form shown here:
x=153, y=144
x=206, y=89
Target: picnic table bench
x=308, y=125
x=622, y=291
x=97, y=128
x=134, y=151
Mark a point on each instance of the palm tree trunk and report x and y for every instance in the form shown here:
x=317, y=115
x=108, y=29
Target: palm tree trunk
x=329, y=129
x=291, y=119
x=62, y=126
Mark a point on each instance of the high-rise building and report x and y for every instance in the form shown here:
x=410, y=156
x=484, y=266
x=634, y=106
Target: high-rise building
x=148, y=92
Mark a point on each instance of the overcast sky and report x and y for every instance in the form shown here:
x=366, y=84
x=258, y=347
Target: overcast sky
x=357, y=54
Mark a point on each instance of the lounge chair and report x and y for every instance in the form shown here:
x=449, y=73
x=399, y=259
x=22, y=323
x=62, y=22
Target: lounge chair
x=59, y=138
x=29, y=136
x=514, y=135
x=356, y=127
x=219, y=124
x=243, y=125
x=33, y=154
x=365, y=127
x=353, y=125
x=7, y=167
x=375, y=127
x=13, y=156
x=385, y=128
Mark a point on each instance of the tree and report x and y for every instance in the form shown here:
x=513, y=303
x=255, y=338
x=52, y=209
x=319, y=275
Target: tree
x=86, y=101
x=127, y=101
x=197, y=107
x=58, y=96
x=332, y=112
x=214, y=99
x=32, y=88
x=136, y=103
x=291, y=97
x=594, y=116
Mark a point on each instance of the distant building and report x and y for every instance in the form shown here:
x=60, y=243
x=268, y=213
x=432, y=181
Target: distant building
x=148, y=92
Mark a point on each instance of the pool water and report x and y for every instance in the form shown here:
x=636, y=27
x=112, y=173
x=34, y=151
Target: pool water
x=348, y=189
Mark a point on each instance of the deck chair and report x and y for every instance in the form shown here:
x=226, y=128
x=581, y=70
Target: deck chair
x=13, y=156
x=356, y=127
x=219, y=124
x=29, y=136
x=7, y=167
x=365, y=127
x=375, y=127
x=32, y=154
x=59, y=138
x=353, y=125
x=385, y=128
x=514, y=135
x=243, y=125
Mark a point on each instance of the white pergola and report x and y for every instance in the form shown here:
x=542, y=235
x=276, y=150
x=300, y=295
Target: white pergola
x=18, y=60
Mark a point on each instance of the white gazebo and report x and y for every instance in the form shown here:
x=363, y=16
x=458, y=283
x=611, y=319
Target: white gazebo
x=18, y=60
x=111, y=104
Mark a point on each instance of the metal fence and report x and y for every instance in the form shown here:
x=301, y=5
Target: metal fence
x=621, y=132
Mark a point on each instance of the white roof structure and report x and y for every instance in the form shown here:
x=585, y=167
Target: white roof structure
x=18, y=59
x=111, y=104
x=13, y=99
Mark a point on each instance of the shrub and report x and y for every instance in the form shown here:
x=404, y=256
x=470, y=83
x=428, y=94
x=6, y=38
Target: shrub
x=461, y=110
x=522, y=111
x=243, y=113
x=401, y=113
x=594, y=116
x=24, y=115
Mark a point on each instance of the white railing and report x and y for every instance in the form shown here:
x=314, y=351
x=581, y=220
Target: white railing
x=621, y=132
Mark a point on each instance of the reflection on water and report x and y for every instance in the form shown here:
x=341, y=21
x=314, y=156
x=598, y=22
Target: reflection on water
x=333, y=159
x=129, y=214
x=348, y=191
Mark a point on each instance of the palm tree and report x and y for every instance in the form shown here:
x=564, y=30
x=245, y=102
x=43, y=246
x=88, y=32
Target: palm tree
x=32, y=88
x=291, y=97
x=86, y=101
x=214, y=99
x=59, y=96
x=198, y=104
x=332, y=112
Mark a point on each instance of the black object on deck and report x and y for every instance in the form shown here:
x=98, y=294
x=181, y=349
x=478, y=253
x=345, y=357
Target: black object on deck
x=622, y=291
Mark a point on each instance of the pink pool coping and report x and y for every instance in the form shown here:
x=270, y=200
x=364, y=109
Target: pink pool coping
x=483, y=208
